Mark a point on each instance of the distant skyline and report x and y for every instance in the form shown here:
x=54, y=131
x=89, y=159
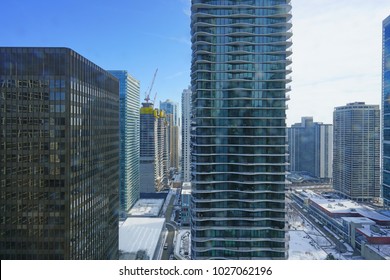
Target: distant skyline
x=337, y=45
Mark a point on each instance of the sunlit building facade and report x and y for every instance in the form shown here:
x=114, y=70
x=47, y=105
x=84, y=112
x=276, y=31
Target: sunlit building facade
x=129, y=92
x=186, y=135
x=240, y=62
x=172, y=117
x=59, y=156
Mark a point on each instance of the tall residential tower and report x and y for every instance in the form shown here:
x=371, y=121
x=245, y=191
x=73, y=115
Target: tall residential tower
x=356, y=151
x=59, y=156
x=239, y=70
x=185, y=134
x=171, y=111
x=153, y=149
x=311, y=148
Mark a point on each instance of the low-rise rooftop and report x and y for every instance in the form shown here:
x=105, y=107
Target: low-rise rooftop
x=147, y=208
x=138, y=237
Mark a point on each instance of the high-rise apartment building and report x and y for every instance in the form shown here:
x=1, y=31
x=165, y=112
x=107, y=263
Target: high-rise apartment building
x=153, y=149
x=59, y=156
x=129, y=93
x=186, y=135
x=240, y=53
x=311, y=148
x=386, y=111
x=170, y=107
x=356, y=151
x=171, y=110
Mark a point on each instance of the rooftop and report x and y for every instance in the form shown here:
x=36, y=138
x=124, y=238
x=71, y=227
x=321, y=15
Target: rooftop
x=374, y=231
x=147, y=208
x=358, y=220
x=140, y=235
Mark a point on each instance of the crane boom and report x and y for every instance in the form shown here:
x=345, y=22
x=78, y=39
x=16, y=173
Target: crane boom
x=147, y=97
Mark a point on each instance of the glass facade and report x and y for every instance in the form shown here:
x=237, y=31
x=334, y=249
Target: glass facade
x=59, y=155
x=386, y=112
x=240, y=53
x=129, y=92
x=356, y=151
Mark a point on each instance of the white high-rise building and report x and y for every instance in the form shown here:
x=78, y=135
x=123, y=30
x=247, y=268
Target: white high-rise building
x=356, y=151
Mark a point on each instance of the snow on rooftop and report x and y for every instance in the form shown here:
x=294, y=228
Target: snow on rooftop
x=337, y=205
x=186, y=192
x=147, y=207
x=358, y=220
x=140, y=234
x=379, y=232
x=373, y=214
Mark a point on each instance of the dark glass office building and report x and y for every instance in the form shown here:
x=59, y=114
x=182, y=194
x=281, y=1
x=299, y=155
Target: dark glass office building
x=386, y=111
x=239, y=81
x=59, y=156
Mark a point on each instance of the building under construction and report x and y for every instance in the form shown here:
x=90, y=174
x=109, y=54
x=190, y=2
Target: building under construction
x=154, y=153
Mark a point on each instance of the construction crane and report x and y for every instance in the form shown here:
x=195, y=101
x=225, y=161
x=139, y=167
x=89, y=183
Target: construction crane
x=147, y=93
x=154, y=99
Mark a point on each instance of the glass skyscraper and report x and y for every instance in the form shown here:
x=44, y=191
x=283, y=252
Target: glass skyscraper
x=239, y=80
x=386, y=111
x=129, y=93
x=59, y=156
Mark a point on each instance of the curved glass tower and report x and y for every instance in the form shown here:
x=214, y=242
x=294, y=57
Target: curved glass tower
x=239, y=70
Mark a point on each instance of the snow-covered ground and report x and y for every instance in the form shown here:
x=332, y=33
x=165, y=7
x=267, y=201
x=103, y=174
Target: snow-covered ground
x=303, y=247
x=306, y=241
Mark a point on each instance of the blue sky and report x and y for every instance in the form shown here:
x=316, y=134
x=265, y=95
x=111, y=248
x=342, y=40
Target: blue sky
x=134, y=35
x=336, y=44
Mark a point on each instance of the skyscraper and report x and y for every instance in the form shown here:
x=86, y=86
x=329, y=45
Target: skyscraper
x=59, y=156
x=153, y=149
x=386, y=111
x=129, y=155
x=356, y=151
x=170, y=109
x=185, y=134
x=311, y=148
x=240, y=53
